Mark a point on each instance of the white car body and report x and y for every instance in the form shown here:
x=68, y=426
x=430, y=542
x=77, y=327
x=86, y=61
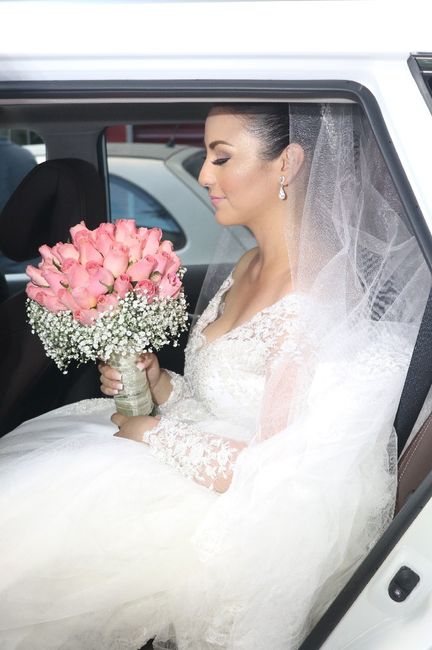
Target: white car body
x=365, y=44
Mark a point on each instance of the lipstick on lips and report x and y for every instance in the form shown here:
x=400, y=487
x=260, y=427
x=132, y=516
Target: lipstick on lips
x=216, y=200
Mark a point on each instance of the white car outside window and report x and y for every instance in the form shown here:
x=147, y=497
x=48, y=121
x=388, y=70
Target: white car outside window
x=149, y=182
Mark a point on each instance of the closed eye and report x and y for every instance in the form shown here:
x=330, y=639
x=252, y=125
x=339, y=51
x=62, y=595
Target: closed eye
x=220, y=161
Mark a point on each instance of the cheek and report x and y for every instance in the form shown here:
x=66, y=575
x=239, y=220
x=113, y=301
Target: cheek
x=243, y=182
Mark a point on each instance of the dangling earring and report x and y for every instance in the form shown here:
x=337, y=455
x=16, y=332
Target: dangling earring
x=282, y=194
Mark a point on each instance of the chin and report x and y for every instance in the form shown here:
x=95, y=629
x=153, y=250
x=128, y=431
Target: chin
x=225, y=219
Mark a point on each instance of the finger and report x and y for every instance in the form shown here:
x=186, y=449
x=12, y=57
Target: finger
x=110, y=383
x=109, y=372
x=110, y=392
x=144, y=361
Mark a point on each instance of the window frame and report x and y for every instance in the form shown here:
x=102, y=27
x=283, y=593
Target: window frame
x=420, y=66
x=106, y=91
x=265, y=90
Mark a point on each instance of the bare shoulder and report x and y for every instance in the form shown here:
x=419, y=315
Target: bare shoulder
x=244, y=262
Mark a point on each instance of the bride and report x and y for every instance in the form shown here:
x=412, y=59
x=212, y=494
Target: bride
x=231, y=518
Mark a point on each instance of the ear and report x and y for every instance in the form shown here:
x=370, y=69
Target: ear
x=292, y=161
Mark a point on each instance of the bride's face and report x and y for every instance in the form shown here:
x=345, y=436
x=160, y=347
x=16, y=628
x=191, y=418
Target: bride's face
x=243, y=187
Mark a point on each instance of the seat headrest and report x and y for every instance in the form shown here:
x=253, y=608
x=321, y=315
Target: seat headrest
x=53, y=197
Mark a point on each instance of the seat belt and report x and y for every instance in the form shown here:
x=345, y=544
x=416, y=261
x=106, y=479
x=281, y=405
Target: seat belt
x=418, y=380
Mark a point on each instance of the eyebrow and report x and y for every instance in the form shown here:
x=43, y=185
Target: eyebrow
x=214, y=144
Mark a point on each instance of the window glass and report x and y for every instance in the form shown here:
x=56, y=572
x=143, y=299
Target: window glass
x=128, y=201
x=193, y=163
x=153, y=169
x=20, y=151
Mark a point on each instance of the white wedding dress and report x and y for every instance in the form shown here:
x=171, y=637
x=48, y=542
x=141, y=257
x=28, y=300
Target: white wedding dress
x=96, y=531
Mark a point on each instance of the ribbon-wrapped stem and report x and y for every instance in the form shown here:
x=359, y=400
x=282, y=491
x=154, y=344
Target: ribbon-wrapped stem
x=135, y=397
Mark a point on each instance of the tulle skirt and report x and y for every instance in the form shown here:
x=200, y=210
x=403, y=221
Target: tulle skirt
x=95, y=534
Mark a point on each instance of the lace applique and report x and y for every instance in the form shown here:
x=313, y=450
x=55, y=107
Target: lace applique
x=274, y=326
x=214, y=411
x=197, y=456
x=179, y=390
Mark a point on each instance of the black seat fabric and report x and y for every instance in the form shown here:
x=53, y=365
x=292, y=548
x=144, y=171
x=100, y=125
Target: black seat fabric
x=53, y=197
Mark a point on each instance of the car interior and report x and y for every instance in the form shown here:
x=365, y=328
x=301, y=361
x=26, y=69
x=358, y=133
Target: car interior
x=71, y=186
x=57, y=194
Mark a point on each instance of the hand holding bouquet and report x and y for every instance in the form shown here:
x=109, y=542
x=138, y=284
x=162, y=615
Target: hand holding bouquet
x=111, y=293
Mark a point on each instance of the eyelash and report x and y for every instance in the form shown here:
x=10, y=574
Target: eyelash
x=220, y=161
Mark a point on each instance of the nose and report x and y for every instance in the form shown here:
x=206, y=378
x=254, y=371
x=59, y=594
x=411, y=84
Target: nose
x=205, y=177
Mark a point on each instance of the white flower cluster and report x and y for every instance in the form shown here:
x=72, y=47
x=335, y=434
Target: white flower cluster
x=133, y=326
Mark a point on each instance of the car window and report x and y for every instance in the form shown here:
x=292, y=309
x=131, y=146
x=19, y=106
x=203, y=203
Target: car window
x=193, y=163
x=128, y=201
x=153, y=168
x=17, y=159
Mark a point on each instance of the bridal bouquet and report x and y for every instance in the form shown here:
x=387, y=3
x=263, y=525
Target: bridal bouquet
x=111, y=293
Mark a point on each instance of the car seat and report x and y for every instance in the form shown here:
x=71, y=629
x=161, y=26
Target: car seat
x=415, y=463
x=54, y=196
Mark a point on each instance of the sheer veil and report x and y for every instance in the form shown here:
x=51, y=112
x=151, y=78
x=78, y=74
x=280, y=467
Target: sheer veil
x=316, y=487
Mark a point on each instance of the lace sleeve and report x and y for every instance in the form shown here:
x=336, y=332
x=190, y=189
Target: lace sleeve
x=180, y=390
x=207, y=459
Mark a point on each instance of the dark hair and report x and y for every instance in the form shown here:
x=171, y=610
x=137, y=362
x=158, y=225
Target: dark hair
x=267, y=122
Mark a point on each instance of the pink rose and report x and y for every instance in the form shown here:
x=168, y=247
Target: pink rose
x=126, y=234
x=174, y=264
x=45, y=297
x=135, y=248
x=85, y=316
x=75, y=273
x=105, y=302
x=36, y=276
x=52, y=303
x=78, y=231
x=65, y=297
x=151, y=243
x=117, y=259
x=124, y=230
x=103, y=241
x=167, y=246
x=122, y=285
x=141, y=270
x=162, y=260
x=48, y=255
x=146, y=288
x=55, y=279
x=104, y=228
x=87, y=252
x=65, y=252
x=170, y=286
x=142, y=233
x=38, y=293
x=101, y=280
x=84, y=298
x=32, y=291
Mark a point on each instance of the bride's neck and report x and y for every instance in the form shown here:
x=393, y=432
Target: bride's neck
x=272, y=256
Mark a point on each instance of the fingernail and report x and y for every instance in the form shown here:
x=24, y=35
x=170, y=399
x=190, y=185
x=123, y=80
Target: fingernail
x=120, y=387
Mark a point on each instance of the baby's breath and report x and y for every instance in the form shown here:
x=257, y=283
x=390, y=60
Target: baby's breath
x=134, y=326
